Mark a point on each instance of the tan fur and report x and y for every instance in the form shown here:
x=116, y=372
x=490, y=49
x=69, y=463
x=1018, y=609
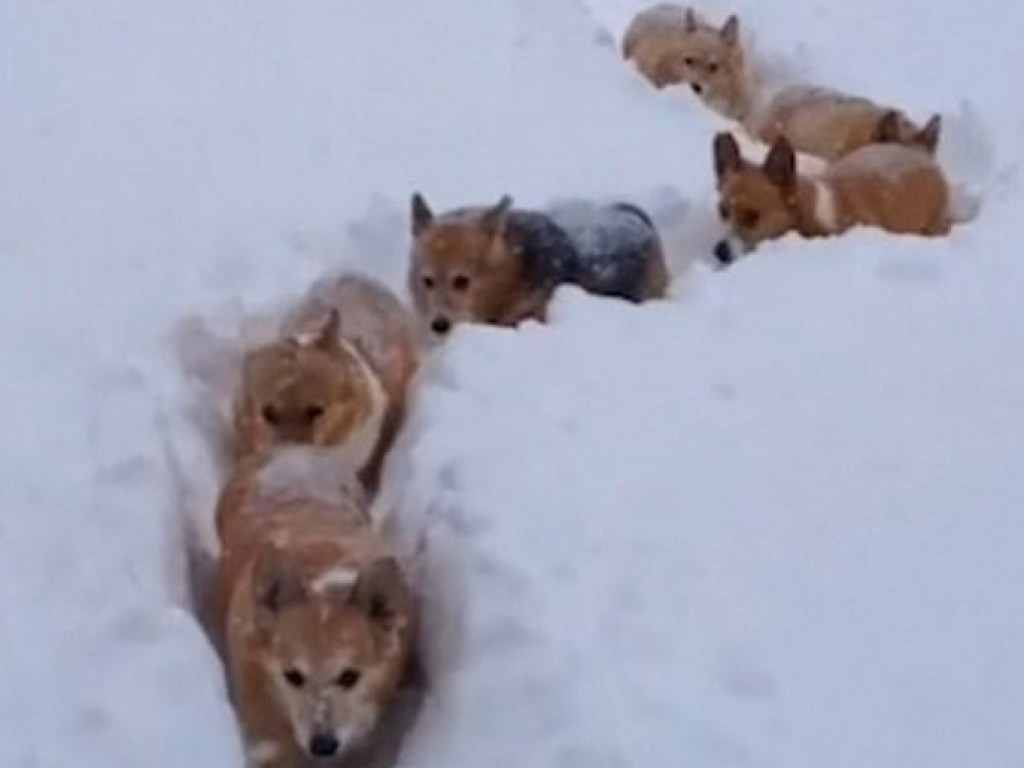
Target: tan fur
x=319, y=382
x=828, y=124
x=670, y=44
x=895, y=188
x=287, y=533
x=468, y=267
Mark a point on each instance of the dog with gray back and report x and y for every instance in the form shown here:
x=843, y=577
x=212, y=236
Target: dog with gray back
x=500, y=265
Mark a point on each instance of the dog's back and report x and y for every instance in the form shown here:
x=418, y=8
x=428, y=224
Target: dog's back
x=652, y=35
x=663, y=18
x=546, y=252
x=262, y=483
x=294, y=487
x=617, y=250
x=894, y=187
x=825, y=123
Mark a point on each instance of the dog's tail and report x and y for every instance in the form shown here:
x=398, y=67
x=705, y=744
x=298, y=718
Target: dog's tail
x=637, y=211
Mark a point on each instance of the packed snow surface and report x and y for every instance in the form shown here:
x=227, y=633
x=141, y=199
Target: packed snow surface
x=775, y=520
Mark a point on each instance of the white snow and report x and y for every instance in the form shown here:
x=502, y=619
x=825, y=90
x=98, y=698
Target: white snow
x=324, y=474
x=774, y=521
x=336, y=578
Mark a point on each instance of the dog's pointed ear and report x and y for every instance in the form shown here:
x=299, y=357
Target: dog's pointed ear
x=727, y=155
x=327, y=337
x=421, y=215
x=274, y=587
x=780, y=165
x=928, y=137
x=730, y=31
x=494, y=218
x=380, y=590
x=888, y=128
x=690, y=20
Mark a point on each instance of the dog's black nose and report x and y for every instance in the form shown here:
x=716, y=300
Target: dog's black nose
x=441, y=325
x=697, y=88
x=723, y=252
x=323, y=745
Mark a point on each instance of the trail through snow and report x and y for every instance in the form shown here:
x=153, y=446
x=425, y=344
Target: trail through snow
x=774, y=521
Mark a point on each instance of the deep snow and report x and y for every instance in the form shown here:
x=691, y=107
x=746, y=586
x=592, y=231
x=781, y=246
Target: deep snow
x=774, y=522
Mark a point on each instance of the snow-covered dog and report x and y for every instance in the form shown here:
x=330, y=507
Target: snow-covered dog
x=896, y=188
x=316, y=614
x=337, y=376
x=501, y=265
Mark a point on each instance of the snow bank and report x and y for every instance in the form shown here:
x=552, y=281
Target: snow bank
x=774, y=522
x=769, y=522
x=733, y=530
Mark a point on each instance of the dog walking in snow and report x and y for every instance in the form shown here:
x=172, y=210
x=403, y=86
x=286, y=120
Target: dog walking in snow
x=337, y=376
x=500, y=265
x=670, y=44
x=890, y=186
x=315, y=612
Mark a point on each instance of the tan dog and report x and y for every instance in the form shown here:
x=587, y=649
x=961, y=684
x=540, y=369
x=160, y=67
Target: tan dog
x=501, y=265
x=670, y=45
x=896, y=188
x=828, y=124
x=338, y=376
x=317, y=618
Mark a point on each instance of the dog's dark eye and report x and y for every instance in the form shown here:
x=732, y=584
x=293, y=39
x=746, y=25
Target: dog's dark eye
x=748, y=218
x=270, y=415
x=712, y=67
x=723, y=211
x=690, y=61
x=460, y=282
x=428, y=282
x=349, y=678
x=295, y=678
x=312, y=413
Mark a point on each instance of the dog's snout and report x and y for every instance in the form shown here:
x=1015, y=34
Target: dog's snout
x=323, y=745
x=441, y=325
x=697, y=88
x=723, y=252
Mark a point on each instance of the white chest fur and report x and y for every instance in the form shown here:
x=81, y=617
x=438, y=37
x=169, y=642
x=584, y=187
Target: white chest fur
x=825, y=206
